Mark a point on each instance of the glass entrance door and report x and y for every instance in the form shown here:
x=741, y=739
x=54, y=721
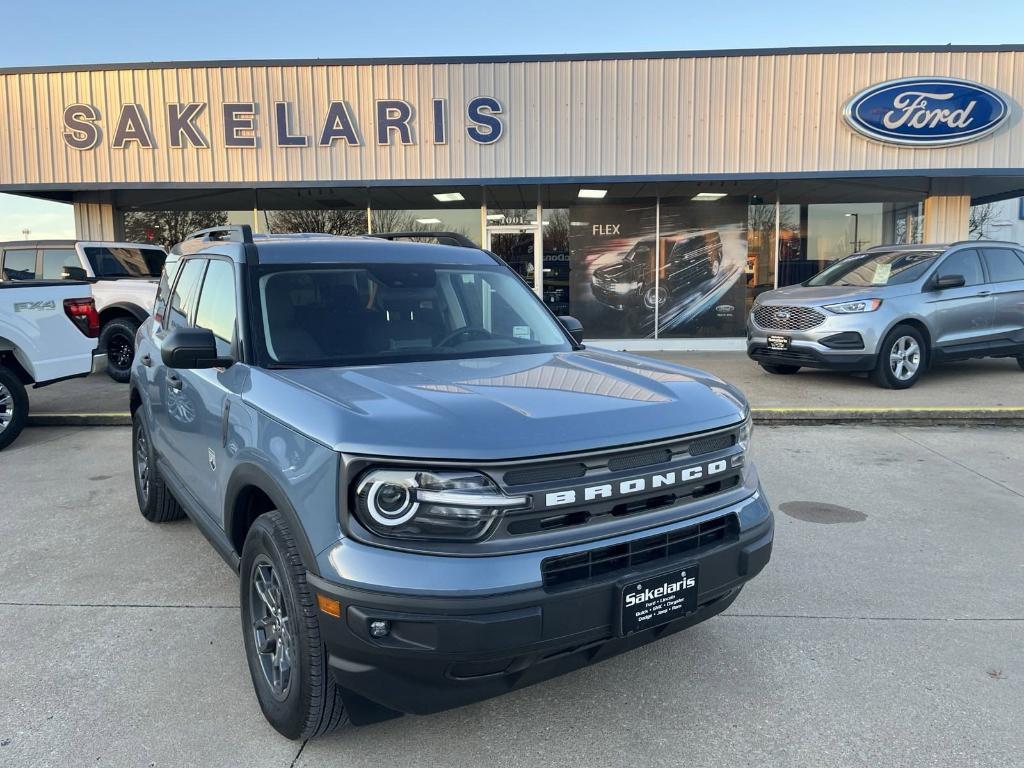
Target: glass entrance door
x=519, y=246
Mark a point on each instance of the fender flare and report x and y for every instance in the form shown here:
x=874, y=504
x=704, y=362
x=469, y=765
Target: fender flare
x=246, y=475
x=134, y=310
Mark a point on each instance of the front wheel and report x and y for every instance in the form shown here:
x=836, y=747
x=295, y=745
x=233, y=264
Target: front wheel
x=13, y=406
x=281, y=632
x=118, y=339
x=901, y=359
x=1020, y=362
x=655, y=297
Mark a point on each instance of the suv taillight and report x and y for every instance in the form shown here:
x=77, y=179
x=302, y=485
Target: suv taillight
x=83, y=314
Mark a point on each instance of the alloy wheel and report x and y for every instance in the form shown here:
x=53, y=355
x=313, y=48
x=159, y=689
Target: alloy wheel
x=272, y=634
x=905, y=358
x=119, y=352
x=142, y=464
x=655, y=297
x=6, y=407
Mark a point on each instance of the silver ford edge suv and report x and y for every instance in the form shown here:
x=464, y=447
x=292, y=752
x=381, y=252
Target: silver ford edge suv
x=894, y=309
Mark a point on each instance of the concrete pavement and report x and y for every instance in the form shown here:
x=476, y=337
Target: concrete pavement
x=886, y=630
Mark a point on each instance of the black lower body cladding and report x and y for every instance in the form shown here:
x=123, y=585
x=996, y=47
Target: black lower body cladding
x=443, y=652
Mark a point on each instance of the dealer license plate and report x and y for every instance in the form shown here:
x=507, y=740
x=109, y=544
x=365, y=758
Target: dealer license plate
x=657, y=600
x=778, y=342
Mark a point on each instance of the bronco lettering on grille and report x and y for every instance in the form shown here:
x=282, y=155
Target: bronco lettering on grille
x=633, y=485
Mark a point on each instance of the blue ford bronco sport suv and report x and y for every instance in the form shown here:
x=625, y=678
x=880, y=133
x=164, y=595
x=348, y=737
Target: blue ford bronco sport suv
x=432, y=492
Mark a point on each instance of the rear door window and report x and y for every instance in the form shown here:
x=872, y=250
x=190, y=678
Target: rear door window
x=1003, y=265
x=55, y=259
x=20, y=264
x=186, y=291
x=966, y=263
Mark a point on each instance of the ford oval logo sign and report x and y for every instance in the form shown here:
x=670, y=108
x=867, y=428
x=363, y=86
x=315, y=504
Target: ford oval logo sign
x=926, y=111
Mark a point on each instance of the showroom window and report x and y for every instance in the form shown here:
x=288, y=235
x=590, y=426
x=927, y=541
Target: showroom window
x=462, y=221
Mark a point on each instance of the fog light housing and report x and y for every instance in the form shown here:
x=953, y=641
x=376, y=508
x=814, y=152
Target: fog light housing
x=380, y=628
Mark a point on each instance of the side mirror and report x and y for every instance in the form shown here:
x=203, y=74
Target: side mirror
x=191, y=348
x=73, y=273
x=573, y=326
x=948, y=281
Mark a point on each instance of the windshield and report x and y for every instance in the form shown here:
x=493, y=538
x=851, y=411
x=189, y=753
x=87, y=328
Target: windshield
x=391, y=313
x=863, y=270
x=125, y=262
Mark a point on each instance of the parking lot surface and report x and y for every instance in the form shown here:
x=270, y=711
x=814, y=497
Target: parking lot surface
x=886, y=631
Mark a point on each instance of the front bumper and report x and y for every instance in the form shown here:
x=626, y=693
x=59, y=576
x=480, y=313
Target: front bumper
x=821, y=346
x=807, y=356
x=446, y=651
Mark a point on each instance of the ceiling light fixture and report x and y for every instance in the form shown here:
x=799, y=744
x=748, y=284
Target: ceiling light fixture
x=593, y=194
x=428, y=221
x=708, y=196
x=448, y=197
x=495, y=216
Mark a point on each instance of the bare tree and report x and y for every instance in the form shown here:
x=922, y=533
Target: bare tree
x=980, y=219
x=333, y=221
x=168, y=227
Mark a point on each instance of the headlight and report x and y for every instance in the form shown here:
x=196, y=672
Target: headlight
x=854, y=307
x=410, y=504
x=746, y=433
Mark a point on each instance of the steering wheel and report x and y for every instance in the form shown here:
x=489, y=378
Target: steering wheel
x=470, y=331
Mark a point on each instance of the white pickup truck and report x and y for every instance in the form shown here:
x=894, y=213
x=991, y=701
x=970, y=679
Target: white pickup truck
x=124, y=278
x=48, y=331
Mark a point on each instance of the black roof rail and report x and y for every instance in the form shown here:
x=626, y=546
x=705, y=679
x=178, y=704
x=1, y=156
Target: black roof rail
x=443, y=238
x=236, y=233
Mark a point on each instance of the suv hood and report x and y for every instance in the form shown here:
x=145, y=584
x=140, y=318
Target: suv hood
x=497, y=407
x=826, y=294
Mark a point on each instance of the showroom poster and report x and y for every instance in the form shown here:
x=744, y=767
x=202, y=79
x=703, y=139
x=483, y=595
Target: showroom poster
x=700, y=259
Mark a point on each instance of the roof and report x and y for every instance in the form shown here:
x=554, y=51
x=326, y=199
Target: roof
x=346, y=250
x=618, y=56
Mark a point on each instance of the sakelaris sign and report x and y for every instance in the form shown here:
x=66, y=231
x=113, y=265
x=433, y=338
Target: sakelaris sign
x=239, y=124
x=926, y=111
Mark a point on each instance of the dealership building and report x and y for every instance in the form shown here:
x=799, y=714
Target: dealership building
x=652, y=195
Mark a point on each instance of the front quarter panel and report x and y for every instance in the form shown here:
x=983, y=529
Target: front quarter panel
x=299, y=474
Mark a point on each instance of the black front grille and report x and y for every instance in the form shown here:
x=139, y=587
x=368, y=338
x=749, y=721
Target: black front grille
x=711, y=444
x=644, y=459
x=569, y=569
x=545, y=474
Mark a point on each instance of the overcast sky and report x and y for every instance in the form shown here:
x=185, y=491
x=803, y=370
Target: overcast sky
x=56, y=32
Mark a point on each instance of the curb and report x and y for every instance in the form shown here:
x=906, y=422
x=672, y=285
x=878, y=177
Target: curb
x=1000, y=416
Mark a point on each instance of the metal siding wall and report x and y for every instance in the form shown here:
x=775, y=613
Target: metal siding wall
x=674, y=116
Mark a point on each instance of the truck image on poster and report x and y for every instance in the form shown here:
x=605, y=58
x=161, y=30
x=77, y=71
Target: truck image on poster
x=688, y=282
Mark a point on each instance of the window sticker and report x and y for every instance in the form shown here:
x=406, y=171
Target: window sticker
x=882, y=273
x=521, y=331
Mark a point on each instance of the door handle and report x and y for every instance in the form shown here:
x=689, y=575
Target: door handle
x=146, y=360
x=174, y=382
x=983, y=293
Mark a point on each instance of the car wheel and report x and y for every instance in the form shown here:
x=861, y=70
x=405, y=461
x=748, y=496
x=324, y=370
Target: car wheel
x=655, y=297
x=1020, y=362
x=716, y=266
x=281, y=633
x=13, y=407
x=118, y=339
x=902, y=358
x=156, y=503
x=780, y=370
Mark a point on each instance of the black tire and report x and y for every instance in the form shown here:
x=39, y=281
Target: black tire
x=307, y=700
x=117, y=340
x=13, y=406
x=915, y=355
x=156, y=503
x=780, y=370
